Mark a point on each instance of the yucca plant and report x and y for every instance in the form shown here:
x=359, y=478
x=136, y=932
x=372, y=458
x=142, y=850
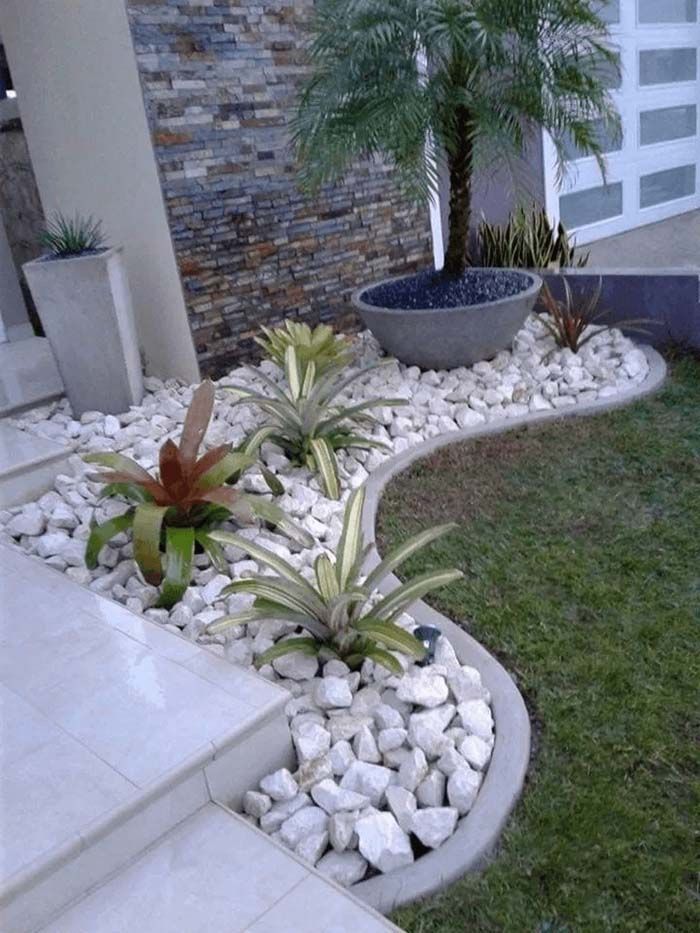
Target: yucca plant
x=306, y=419
x=72, y=236
x=568, y=319
x=527, y=241
x=320, y=346
x=177, y=510
x=339, y=610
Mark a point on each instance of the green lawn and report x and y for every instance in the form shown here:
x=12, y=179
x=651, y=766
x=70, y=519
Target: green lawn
x=581, y=547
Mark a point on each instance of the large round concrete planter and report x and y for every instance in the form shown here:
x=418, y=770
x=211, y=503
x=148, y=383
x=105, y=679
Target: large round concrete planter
x=84, y=304
x=445, y=338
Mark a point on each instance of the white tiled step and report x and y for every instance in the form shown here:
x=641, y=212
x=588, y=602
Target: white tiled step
x=28, y=465
x=28, y=375
x=113, y=731
x=214, y=873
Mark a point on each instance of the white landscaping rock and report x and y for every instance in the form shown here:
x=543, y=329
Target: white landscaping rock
x=311, y=741
x=423, y=687
x=332, y=798
x=431, y=790
x=332, y=693
x=475, y=751
x=402, y=804
x=383, y=843
x=304, y=822
x=462, y=788
x=256, y=804
x=368, y=779
x=312, y=847
x=413, y=769
x=434, y=825
x=365, y=748
x=476, y=718
x=341, y=830
x=344, y=868
x=280, y=785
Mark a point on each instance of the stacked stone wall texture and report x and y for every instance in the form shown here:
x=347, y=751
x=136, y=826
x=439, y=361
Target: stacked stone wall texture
x=220, y=80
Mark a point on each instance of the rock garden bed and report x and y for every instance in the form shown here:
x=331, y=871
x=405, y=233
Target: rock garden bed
x=388, y=763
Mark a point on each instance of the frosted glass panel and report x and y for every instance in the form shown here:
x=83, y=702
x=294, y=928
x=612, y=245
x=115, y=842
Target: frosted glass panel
x=593, y=204
x=669, y=185
x=609, y=142
x=610, y=12
x=665, y=66
x=658, y=126
x=667, y=11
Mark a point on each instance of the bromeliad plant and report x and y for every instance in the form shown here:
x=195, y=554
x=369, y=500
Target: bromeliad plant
x=306, y=419
x=176, y=511
x=339, y=610
x=320, y=346
x=527, y=241
x=568, y=319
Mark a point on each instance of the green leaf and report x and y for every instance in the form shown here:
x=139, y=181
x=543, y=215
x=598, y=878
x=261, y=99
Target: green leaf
x=305, y=601
x=229, y=465
x=408, y=593
x=263, y=556
x=239, y=618
x=148, y=521
x=326, y=580
x=307, y=646
x=274, y=515
x=131, y=491
x=273, y=483
x=179, y=553
x=213, y=549
x=350, y=545
x=292, y=371
x=254, y=442
x=387, y=660
x=396, y=557
x=391, y=636
x=121, y=464
x=326, y=465
x=101, y=534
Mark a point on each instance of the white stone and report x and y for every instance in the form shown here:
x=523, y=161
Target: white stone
x=31, y=521
x=341, y=830
x=431, y=790
x=365, y=701
x=402, y=804
x=312, y=847
x=462, y=788
x=341, y=756
x=389, y=739
x=387, y=717
x=311, y=741
x=271, y=821
x=344, y=868
x=365, y=746
x=332, y=692
x=212, y=591
x=256, y=804
x=346, y=726
x=433, y=825
x=280, y=785
x=303, y=823
x=51, y=543
x=311, y=772
x=296, y=666
x=475, y=751
x=432, y=742
x=423, y=687
x=450, y=760
x=383, y=843
x=333, y=799
x=413, y=769
x=368, y=779
x=465, y=684
x=64, y=517
x=476, y=718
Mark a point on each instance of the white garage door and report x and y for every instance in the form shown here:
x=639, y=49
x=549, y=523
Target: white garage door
x=654, y=171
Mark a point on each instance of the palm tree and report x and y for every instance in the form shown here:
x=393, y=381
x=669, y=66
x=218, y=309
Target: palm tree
x=496, y=69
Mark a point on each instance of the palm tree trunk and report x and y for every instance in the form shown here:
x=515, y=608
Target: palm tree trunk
x=460, y=168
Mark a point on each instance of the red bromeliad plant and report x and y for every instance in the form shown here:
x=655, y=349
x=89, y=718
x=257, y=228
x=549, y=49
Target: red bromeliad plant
x=176, y=511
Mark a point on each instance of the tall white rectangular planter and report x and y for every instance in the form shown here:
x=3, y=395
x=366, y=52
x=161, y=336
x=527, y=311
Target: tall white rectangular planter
x=84, y=304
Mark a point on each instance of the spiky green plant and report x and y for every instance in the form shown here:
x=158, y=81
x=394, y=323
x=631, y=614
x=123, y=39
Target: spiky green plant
x=339, y=609
x=72, y=236
x=177, y=510
x=527, y=241
x=568, y=319
x=306, y=419
x=320, y=346
x=496, y=70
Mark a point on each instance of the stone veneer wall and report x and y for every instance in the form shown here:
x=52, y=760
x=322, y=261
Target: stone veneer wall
x=219, y=79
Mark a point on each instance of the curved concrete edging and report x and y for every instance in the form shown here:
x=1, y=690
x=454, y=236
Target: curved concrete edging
x=469, y=848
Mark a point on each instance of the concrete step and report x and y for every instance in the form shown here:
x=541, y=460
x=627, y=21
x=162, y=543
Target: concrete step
x=114, y=731
x=28, y=465
x=214, y=873
x=28, y=375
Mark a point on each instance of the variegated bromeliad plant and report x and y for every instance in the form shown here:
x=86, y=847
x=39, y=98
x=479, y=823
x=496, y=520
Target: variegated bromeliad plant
x=339, y=610
x=307, y=420
x=174, y=512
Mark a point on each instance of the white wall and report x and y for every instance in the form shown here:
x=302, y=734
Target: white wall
x=79, y=96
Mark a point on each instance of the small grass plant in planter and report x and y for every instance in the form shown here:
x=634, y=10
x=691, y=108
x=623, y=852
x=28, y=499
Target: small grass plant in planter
x=65, y=236
x=175, y=512
x=307, y=420
x=339, y=610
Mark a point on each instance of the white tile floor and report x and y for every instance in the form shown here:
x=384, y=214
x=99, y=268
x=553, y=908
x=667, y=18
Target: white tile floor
x=99, y=709
x=216, y=874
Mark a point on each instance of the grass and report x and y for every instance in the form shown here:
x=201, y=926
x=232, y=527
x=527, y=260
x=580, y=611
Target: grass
x=581, y=547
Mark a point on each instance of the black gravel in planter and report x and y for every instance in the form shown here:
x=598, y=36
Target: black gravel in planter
x=430, y=289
